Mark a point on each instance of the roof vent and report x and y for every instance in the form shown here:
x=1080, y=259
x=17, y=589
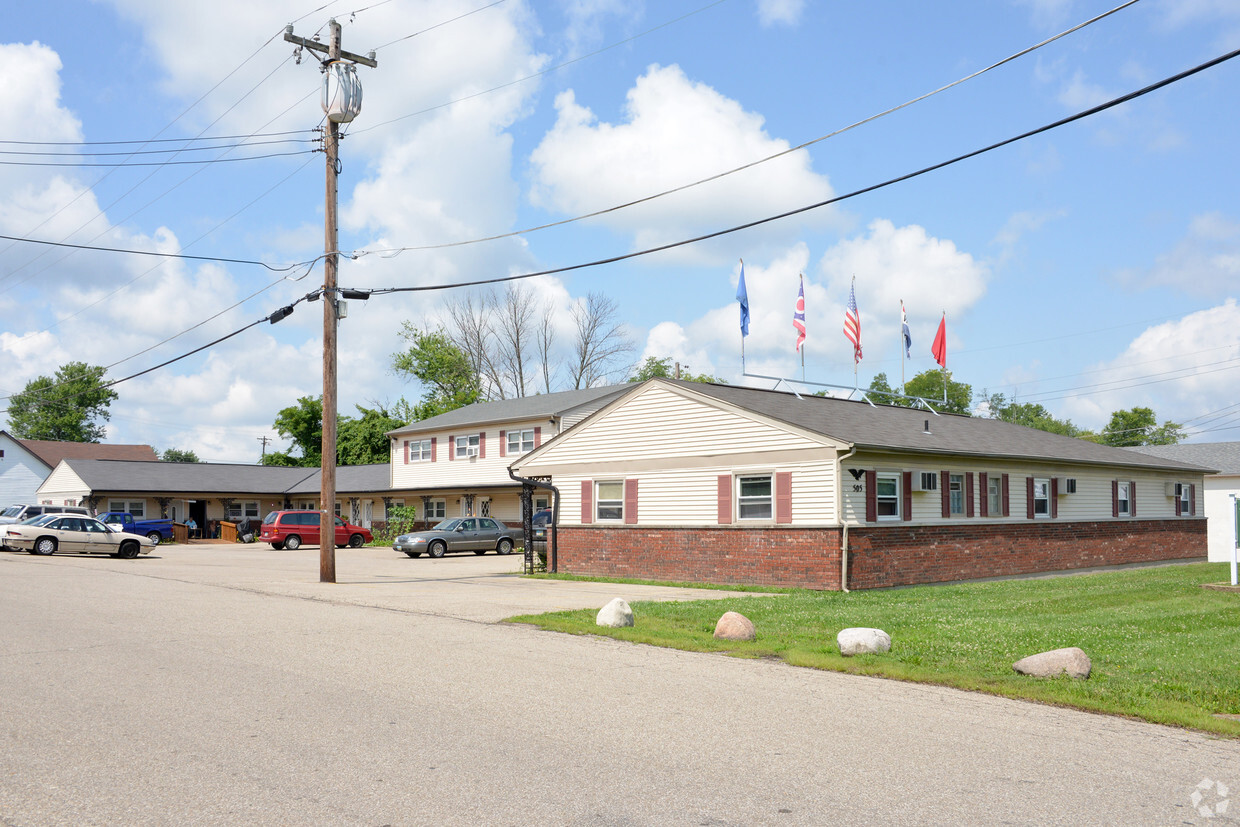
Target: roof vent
x=926, y=427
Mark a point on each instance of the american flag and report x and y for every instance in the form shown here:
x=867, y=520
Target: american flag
x=798, y=316
x=852, y=322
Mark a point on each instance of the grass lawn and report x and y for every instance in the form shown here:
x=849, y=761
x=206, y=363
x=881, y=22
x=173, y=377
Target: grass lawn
x=1163, y=648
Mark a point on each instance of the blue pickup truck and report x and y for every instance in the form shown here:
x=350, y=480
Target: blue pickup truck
x=156, y=530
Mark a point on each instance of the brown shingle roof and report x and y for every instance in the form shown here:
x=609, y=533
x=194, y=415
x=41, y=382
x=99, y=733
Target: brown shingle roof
x=52, y=451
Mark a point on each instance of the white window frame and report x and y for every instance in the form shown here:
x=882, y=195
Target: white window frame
x=464, y=443
x=125, y=507
x=1186, y=500
x=420, y=450
x=520, y=442
x=955, y=495
x=611, y=509
x=388, y=506
x=1044, y=484
x=541, y=503
x=247, y=509
x=896, y=479
x=994, y=495
x=1123, y=498
x=306, y=506
x=764, y=504
x=437, y=510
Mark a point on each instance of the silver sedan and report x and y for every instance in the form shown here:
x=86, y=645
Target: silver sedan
x=476, y=534
x=74, y=534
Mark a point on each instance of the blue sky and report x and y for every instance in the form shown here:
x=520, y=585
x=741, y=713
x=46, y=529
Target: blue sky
x=1090, y=268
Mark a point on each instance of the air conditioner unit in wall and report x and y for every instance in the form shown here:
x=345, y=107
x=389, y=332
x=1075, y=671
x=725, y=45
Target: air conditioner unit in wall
x=471, y=452
x=925, y=480
x=1069, y=486
x=1174, y=489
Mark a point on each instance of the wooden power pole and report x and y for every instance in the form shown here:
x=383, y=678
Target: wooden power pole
x=331, y=147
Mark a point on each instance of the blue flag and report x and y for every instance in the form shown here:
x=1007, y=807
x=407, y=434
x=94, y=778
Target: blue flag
x=908, y=337
x=742, y=296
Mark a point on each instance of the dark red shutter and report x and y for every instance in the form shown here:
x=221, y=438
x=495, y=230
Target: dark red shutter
x=968, y=494
x=1114, y=498
x=451, y=447
x=406, y=452
x=1132, y=498
x=1192, y=500
x=537, y=435
x=482, y=445
x=907, y=494
x=1029, y=498
x=434, y=440
x=503, y=443
x=630, y=502
x=983, y=494
x=725, y=499
x=1054, y=497
x=871, y=496
x=783, y=497
x=1007, y=497
x=587, y=501
x=945, y=494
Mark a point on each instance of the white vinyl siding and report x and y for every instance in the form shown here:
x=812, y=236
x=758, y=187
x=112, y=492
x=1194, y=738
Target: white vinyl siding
x=466, y=473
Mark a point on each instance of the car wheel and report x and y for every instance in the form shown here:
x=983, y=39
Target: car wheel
x=414, y=553
x=437, y=548
x=277, y=545
x=292, y=542
x=45, y=545
x=504, y=546
x=155, y=537
x=356, y=541
x=129, y=550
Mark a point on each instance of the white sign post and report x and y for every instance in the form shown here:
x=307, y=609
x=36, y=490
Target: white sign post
x=1235, y=546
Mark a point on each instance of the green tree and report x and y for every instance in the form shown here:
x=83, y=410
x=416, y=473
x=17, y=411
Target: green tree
x=303, y=424
x=1031, y=415
x=65, y=407
x=1139, y=426
x=177, y=455
x=927, y=385
x=448, y=380
x=655, y=368
x=364, y=440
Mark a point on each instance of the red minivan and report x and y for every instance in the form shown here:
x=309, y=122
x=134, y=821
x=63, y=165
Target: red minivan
x=292, y=529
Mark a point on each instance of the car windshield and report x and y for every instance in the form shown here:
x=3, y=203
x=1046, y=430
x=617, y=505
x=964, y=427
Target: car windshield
x=39, y=520
x=11, y=511
x=448, y=525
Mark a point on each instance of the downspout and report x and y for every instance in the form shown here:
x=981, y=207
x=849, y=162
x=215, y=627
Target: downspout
x=553, y=561
x=839, y=513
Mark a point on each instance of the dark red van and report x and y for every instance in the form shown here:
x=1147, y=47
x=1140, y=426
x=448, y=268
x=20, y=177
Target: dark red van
x=292, y=529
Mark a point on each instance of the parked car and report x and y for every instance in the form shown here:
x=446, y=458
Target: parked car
x=292, y=529
x=476, y=534
x=21, y=513
x=154, y=530
x=73, y=534
x=539, y=523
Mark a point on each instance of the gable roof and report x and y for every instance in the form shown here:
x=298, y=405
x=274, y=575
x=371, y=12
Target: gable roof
x=1224, y=456
x=52, y=451
x=222, y=478
x=542, y=406
x=891, y=428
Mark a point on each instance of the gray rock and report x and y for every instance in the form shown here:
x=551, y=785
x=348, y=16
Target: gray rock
x=734, y=626
x=615, y=614
x=863, y=641
x=1070, y=661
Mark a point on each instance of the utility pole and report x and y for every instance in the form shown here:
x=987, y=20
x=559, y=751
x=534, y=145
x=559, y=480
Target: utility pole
x=331, y=148
x=264, y=440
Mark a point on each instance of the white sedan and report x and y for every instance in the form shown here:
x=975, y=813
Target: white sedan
x=73, y=534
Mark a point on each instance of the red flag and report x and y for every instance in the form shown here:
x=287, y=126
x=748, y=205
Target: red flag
x=852, y=322
x=939, y=349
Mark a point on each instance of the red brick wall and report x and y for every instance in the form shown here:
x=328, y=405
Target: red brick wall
x=879, y=556
x=725, y=554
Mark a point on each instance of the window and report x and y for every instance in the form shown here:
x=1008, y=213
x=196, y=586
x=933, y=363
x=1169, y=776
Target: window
x=487, y=525
x=887, y=496
x=337, y=509
x=306, y=506
x=420, y=450
x=753, y=501
x=955, y=487
x=1186, y=500
x=520, y=442
x=609, y=501
x=994, y=496
x=1123, y=500
x=484, y=507
x=389, y=506
x=464, y=444
x=135, y=507
x=436, y=509
x=542, y=503
x=1041, y=498
x=238, y=511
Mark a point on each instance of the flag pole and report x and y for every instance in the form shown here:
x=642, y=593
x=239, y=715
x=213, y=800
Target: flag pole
x=945, y=361
x=901, y=346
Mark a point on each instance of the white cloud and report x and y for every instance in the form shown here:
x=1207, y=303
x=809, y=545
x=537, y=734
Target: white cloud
x=583, y=165
x=1205, y=262
x=777, y=12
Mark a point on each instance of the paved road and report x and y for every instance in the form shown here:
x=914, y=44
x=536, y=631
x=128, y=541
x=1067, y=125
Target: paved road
x=226, y=685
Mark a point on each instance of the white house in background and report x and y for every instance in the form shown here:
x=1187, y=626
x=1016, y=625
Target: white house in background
x=1219, y=487
x=26, y=463
x=456, y=464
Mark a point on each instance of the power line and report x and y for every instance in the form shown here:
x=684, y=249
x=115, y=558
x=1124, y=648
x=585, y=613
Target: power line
x=146, y=141
x=167, y=163
x=271, y=267
x=436, y=26
x=735, y=170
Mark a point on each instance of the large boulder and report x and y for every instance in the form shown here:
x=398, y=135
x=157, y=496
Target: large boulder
x=734, y=626
x=863, y=641
x=1070, y=661
x=615, y=614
